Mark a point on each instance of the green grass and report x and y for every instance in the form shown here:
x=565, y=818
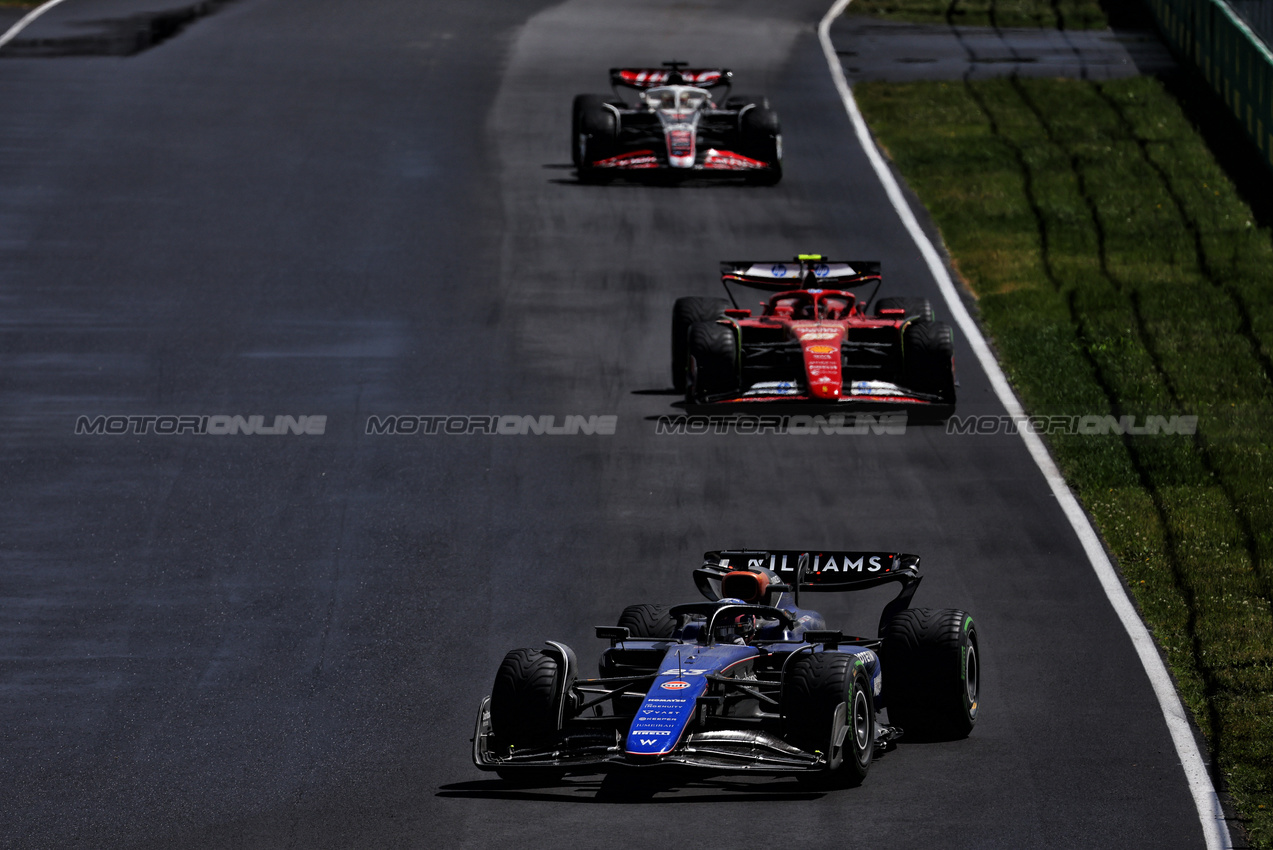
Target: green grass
x=1118, y=272
x=1061, y=14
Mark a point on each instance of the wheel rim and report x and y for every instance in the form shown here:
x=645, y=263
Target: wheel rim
x=970, y=679
x=861, y=721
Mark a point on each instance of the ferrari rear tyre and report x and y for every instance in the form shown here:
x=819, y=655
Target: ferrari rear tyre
x=648, y=621
x=917, y=309
x=713, y=361
x=931, y=664
x=526, y=698
x=685, y=313
x=928, y=359
x=827, y=708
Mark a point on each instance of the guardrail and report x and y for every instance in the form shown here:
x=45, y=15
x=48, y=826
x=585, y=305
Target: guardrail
x=1237, y=63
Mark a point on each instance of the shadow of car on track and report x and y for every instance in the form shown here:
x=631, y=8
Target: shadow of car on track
x=658, y=180
x=849, y=411
x=645, y=786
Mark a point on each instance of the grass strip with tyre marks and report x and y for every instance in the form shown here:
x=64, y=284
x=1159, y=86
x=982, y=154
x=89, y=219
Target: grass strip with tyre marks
x=1118, y=272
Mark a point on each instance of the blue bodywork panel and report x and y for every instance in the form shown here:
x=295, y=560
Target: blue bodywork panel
x=669, y=705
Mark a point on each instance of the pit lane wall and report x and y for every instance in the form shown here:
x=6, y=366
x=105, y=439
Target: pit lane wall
x=1235, y=61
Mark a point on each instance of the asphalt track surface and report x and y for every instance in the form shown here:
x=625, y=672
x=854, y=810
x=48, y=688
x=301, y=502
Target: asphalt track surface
x=354, y=209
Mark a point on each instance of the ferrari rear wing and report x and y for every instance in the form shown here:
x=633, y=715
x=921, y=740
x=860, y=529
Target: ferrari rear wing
x=817, y=572
x=673, y=73
x=805, y=271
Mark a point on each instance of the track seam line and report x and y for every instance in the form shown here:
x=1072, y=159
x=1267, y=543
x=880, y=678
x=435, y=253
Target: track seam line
x=25, y=21
x=1215, y=830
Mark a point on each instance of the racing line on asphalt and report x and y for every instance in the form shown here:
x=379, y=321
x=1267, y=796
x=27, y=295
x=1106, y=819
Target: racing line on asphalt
x=1210, y=812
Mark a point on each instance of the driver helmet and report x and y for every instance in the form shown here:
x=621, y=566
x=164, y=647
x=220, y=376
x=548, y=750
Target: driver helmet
x=740, y=629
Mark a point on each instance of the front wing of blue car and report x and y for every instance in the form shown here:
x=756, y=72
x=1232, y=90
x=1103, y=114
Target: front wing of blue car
x=585, y=746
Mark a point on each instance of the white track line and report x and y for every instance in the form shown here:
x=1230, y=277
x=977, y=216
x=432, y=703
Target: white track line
x=1211, y=815
x=13, y=31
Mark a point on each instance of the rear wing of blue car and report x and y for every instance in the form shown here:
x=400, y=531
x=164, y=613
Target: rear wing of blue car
x=816, y=572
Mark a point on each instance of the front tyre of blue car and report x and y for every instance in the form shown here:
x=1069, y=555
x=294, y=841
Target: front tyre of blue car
x=828, y=708
x=525, y=699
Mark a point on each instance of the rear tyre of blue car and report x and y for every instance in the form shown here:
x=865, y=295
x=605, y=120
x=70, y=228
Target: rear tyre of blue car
x=648, y=621
x=931, y=663
x=828, y=708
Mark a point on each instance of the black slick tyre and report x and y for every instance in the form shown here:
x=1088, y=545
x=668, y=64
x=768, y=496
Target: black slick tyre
x=827, y=708
x=648, y=621
x=685, y=313
x=917, y=309
x=928, y=350
x=931, y=669
x=713, y=361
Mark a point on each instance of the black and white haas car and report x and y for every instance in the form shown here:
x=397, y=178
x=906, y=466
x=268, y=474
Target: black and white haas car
x=681, y=122
x=746, y=681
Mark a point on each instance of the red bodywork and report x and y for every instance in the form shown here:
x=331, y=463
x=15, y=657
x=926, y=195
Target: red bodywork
x=813, y=341
x=821, y=321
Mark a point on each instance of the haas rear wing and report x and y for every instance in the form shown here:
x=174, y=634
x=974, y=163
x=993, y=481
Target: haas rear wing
x=805, y=271
x=817, y=572
x=645, y=78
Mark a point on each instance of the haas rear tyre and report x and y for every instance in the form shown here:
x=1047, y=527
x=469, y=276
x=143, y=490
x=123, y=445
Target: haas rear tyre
x=917, y=309
x=928, y=351
x=931, y=664
x=827, y=708
x=526, y=698
x=738, y=101
x=648, y=621
x=685, y=313
x=713, y=361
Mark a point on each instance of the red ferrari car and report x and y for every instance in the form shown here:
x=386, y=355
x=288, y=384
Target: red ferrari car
x=816, y=340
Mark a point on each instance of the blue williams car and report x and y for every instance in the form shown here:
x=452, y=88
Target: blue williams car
x=746, y=681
